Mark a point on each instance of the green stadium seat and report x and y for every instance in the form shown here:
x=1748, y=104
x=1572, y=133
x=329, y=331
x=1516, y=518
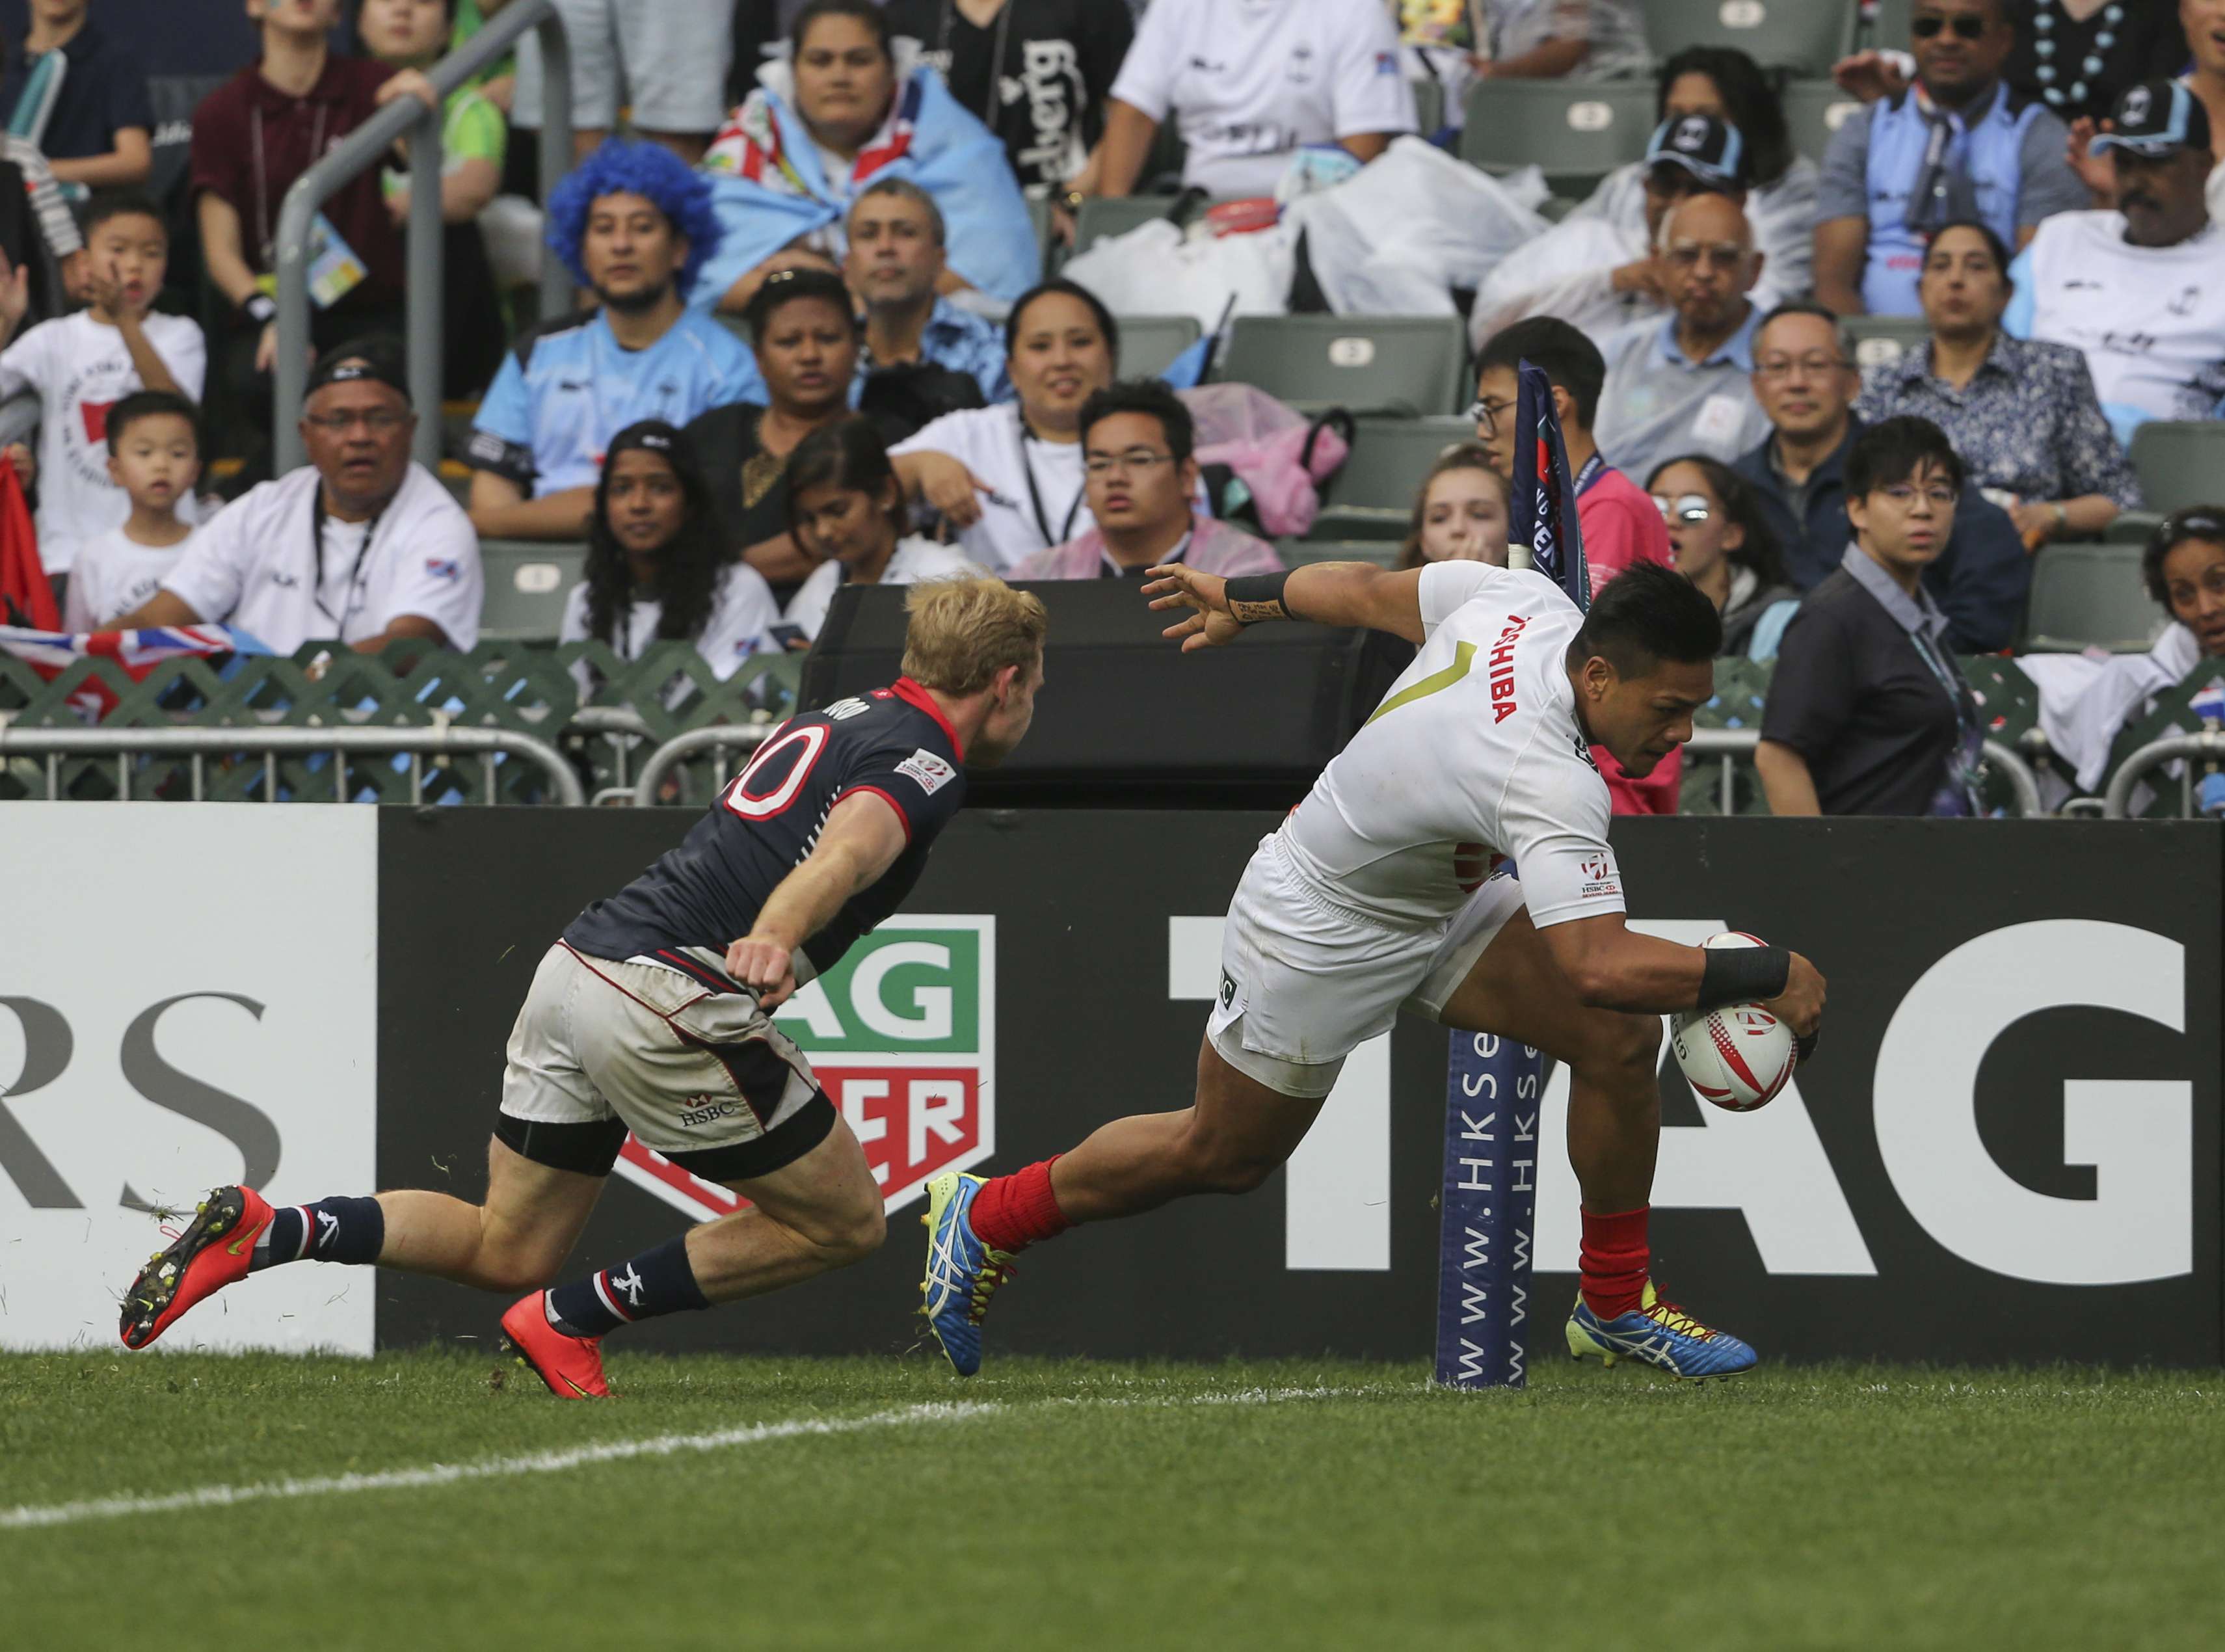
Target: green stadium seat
x=2090, y=596
x=1149, y=344
x=2181, y=463
x=1892, y=30
x=1410, y=365
x=1372, y=497
x=1814, y=110
x=1429, y=106
x=1804, y=35
x=1883, y=338
x=1576, y=132
x=527, y=581
x=1297, y=552
x=1102, y=218
x=2133, y=527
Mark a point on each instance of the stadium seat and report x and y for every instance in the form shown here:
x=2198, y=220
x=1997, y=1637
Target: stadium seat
x=1102, y=218
x=527, y=581
x=1373, y=496
x=2181, y=463
x=1804, y=35
x=1814, y=110
x=1150, y=342
x=2090, y=596
x=1409, y=365
x=1891, y=30
x=1429, y=106
x=1883, y=338
x=1578, y=133
x=2133, y=527
x=1297, y=552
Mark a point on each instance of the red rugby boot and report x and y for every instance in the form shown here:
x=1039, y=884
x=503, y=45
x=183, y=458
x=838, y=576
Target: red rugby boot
x=571, y=1366
x=212, y=1252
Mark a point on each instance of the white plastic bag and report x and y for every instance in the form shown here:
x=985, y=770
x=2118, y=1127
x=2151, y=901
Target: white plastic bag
x=1153, y=270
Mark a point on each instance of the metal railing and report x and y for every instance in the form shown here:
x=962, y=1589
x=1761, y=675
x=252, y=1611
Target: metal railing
x=423, y=289
x=2116, y=802
x=1728, y=745
x=717, y=740
x=270, y=743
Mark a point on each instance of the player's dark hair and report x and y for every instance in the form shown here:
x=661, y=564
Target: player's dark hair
x=2203, y=523
x=1570, y=360
x=867, y=12
x=848, y=456
x=147, y=404
x=786, y=286
x=1106, y=323
x=1648, y=613
x=1758, y=553
x=1893, y=451
x=1750, y=103
x=1150, y=397
x=121, y=202
x=688, y=565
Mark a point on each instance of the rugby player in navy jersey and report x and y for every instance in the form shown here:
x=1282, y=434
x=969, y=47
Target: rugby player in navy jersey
x=653, y=1014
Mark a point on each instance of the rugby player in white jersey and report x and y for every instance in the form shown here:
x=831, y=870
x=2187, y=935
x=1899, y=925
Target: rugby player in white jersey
x=1383, y=890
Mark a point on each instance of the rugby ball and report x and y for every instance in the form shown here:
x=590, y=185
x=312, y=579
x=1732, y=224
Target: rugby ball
x=1738, y=1055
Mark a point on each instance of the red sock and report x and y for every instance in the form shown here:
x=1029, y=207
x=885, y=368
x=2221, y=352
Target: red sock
x=1613, y=1261
x=1011, y=1212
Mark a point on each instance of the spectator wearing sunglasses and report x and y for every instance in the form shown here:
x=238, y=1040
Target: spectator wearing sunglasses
x=1867, y=712
x=1960, y=143
x=1720, y=540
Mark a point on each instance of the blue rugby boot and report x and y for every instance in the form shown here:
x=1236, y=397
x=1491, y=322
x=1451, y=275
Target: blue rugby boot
x=962, y=1272
x=1659, y=1333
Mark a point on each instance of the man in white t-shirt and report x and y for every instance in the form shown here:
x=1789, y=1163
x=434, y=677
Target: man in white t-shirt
x=1249, y=82
x=2138, y=289
x=361, y=546
x=83, y=365
x=1030, y=489
x=1384, y=889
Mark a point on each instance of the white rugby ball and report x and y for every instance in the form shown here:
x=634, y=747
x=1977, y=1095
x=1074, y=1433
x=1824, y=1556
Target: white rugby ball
x=1738, y=1055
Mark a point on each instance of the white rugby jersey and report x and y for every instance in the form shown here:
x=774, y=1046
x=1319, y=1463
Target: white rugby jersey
x=1474, y=753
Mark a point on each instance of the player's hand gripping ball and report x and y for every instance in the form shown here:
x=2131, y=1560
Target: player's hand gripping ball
x=1737, y=1056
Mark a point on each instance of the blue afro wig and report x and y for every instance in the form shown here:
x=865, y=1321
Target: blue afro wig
x=626, y=166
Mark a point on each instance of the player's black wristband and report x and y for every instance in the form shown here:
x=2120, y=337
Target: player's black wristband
x=1743, y=974
x=259, y=308
x=1255, y=596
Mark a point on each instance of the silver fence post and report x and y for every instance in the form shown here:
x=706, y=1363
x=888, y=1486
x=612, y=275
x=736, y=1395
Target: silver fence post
x=425, y=297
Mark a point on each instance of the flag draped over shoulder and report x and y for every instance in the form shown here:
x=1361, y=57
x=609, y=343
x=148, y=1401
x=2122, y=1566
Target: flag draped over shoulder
x=134, y=652
x=1544, y=522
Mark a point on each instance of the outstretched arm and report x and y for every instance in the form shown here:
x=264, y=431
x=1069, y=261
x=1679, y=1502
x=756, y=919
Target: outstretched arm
x=1613, y=967
x=862, y=839
x=1326, y=593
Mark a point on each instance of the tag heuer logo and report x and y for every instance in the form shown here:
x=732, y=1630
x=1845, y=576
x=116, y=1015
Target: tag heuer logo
x=901, y=1035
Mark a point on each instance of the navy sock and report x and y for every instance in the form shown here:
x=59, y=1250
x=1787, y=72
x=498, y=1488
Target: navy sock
x=332, y=1229
x=656, y=1282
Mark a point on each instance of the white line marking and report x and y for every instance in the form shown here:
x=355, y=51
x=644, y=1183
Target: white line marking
x=615, y=1451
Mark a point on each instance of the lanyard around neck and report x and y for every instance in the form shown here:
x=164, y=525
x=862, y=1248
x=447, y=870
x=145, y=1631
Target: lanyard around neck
x=263, y=175
x=1035, y=493
x=353, y=601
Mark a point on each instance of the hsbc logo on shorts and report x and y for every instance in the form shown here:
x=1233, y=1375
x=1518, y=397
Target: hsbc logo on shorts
x=901, y=1035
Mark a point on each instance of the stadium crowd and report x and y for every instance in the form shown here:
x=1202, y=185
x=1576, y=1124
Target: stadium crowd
x=1854, y=376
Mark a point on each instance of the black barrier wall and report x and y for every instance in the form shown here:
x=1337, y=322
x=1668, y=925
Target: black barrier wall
x=2007, y=1149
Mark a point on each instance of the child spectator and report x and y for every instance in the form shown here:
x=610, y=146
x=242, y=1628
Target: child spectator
x=413, y=34
x=154, y=456
x=98, y=129
x=657, y=568
x=82, y=364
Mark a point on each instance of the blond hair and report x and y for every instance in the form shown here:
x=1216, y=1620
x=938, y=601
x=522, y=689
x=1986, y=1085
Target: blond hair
x=962, y=632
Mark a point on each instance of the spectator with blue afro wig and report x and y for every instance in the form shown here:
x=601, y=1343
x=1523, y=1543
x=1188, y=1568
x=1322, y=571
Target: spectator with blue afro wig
x=633, y=224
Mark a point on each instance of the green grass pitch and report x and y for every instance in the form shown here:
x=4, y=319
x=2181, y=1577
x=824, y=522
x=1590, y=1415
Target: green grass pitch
x=796, y=1504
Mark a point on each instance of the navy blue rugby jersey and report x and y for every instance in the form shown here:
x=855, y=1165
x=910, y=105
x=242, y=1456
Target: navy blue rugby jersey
x=894, y=742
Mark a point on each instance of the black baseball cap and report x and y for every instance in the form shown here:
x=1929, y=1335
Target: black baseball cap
x=378, y=359
x=2156, y=119
x=1711, y=149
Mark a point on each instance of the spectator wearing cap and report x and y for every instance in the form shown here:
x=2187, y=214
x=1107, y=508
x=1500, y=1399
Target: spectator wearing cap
x=1805, y=381
x=1620, y=522
x=634, y=225
x=1867, y=712
x=1600, y=275
x=1250, y=85
x=2021, y=414
x=1140, y=469
x=1574, y=39
x=1724, y=83
x=1959, y=142
x=1686, y=384
x=362, y=546
x=2138, y=288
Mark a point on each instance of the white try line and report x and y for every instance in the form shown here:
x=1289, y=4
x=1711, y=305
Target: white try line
x=615, y=1451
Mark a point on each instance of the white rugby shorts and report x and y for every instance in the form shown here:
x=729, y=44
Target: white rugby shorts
x=1305, y=980
x=703, y=1077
